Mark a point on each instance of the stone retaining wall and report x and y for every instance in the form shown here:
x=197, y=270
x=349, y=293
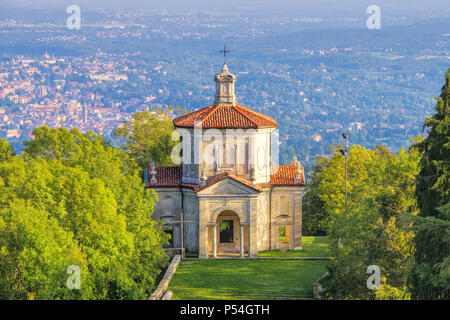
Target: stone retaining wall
x=317, y=287
x=164, y=283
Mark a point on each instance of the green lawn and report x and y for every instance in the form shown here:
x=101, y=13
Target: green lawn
x=245, y=279
x=249, y=279
x=312, y=247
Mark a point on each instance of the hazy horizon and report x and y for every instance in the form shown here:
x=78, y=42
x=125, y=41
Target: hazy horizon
x=326, y=7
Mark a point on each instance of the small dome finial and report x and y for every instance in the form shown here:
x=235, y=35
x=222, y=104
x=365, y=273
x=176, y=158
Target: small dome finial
x=225, y=95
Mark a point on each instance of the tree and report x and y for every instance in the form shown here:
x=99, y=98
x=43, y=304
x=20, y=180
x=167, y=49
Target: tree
x=374, y=229
x=35, y=253
x=6, y=151
x=149, y=136
x=430, y=276
x=35, y=249
x=314, y=213
x=91, y=194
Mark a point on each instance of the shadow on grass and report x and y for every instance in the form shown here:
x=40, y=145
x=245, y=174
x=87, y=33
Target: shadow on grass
x=312, y=247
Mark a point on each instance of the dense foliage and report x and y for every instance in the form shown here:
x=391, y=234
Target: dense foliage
x=431, y=272
x=6, y=151
x=74, y=200
x=149, y=136
x=315, y=216
x=374, y=229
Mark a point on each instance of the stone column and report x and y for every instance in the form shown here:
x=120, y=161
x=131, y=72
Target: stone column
x=203, y=230
x=242, y=240
x=253, y=229
x=248, y=241
x=214, y=240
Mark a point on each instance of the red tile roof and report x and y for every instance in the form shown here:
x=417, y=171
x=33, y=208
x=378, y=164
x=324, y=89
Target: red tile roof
x=165, y=177
x=225, y=175
x=280, y=176
x=225, y=117
x=285, y=175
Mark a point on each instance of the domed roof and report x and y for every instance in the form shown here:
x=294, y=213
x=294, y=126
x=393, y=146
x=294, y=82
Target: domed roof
x=225, y=113
x=225, y=117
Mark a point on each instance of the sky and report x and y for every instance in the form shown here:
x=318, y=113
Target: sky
x=294, y=6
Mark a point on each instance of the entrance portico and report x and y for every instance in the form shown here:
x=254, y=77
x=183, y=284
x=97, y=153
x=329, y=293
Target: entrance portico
x=225, y=227
x=229, y=237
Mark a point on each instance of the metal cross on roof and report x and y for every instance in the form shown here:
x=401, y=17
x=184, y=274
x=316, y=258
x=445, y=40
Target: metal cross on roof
x=225, y=51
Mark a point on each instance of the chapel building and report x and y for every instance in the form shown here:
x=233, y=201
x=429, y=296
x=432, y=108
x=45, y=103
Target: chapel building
x=228, y=189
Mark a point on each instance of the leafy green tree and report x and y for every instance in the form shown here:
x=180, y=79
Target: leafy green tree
x=35, y=249
x=121, y=175
x=92, y=196
x=86, y=209
x=314, y=213
x=430, y=276
x=149, y=136
x=374, y=229
x=6, y=151
x=35, y=253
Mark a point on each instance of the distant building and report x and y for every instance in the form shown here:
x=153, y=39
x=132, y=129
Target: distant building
x=14, y=133
x=316, y=137
x=85, y=113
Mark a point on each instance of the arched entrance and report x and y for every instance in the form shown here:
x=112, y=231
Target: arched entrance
x=228, y=235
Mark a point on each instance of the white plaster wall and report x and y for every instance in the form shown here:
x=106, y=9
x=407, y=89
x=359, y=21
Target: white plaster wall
x=191, y=213
x=168, y=208
x=263, y=220
x=254, y=143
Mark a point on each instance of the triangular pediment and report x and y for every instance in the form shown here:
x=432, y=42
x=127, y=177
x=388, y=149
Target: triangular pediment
x=228, y=186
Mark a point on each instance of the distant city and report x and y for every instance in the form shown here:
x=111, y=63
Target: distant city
x=43, y=91
x=317, y=76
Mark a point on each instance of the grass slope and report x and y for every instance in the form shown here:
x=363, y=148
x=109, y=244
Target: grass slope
x=245, y=279
x=252, y=279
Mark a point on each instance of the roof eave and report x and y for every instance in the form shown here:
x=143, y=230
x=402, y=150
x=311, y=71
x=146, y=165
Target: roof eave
x=229, y=127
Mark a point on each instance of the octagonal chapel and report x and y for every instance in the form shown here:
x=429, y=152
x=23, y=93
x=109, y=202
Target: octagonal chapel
x=228, y=196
